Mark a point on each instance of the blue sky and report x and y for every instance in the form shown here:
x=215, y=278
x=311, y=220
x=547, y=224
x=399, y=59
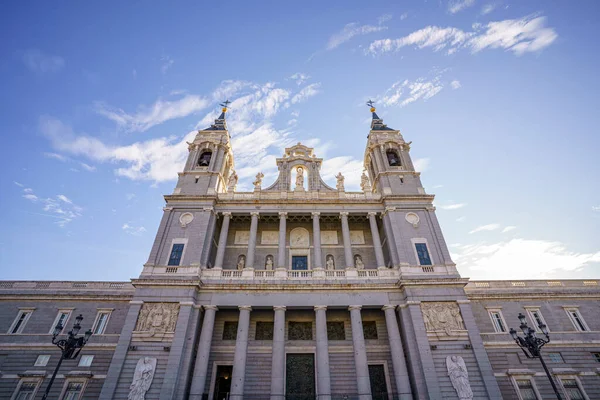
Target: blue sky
x=499, y=98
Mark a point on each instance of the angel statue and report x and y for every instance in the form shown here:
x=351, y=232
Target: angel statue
x=459, y=376
x=258, y=182
x=233, y=179
x=340, y=182
x=142, y=378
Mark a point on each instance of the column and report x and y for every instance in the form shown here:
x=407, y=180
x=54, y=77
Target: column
x=323, y=374
x=208, y=240
x=222, y=240
x=360, y=354
x=278, y=363
x=252, y=240
x=201, y=367
x=317, y=239
x=346, y=237
x=376, y=240
x=174, y=362
x=239, y=357
x=391, y=241
x=397, y=350
x=281, y=250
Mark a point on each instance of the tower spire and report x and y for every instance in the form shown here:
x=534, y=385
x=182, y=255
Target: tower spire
x=377, y=123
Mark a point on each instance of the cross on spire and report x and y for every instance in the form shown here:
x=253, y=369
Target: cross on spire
x=371, y=103
x=225, y=104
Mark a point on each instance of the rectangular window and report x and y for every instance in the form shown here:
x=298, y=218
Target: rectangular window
x=26, y=391
x=596, y=356
x=370, y=330
x=536, y=318
x=572, y=389
x=423, y=254
x=555, y=358
x=300, y=330
x=61, y=318
x=230, y=329
x=101, y=322
x=264, y=330
x=86, y=361
x=20, y=322
x=335, y=330
x=526, y=389
x=498, y=321
x=176, y=253
x=73, y=391
x=42, y=360
x=577, y=319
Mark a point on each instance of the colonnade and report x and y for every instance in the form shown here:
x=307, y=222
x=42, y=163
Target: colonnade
x=323, y=376
x=281, y=259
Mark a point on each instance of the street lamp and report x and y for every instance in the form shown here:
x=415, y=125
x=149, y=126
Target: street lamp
x=532, y=346
x=69, y=347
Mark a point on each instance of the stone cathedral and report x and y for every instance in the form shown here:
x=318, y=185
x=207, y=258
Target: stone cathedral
x=300, y=290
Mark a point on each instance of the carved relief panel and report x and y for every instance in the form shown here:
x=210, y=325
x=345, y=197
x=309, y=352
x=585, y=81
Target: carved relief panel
x=357, y=237
x=242, y=237
x=443, y=318
x=269, y=237
x=157, y=318
x=329, y=237
x=299, y=237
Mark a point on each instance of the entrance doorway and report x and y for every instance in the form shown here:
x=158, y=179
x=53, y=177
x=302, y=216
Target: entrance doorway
x=222, y=382
x=300, y=376
x=299, y=263
x=379, y=390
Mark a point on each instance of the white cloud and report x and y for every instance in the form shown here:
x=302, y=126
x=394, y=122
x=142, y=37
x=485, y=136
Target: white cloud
x=488, y=8
x=56, y=156
x=18, y=184
x=61, y=208
x=64, y=198
x=488, y=227
x=159, y=112
x=299, y=78
x=31, y=197
x=166, y=63
x=402, y=93
x=354, y=29
x=41, y=63
x=421, y=164
x=27, y=190
x=437, y=186
x=129, y=196
x=306, y=93
x=403, y=16
x=455, y=206
x=455, y=6
x=527, y=34
x=455, y=84
x=292, y=121
x=87, y=167
x=594, y=208
x=384, y=18
x=133, y=230
x=350, y=168
x=509, y=228
x=521, y=259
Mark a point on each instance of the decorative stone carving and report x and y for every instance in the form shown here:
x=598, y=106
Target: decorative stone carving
x=357, y=237
x=329, y=237
x=232, y=182
x=330, y=262
x=442, y=317
x=185, y=219
x=340, y=182
x=299, y=179
x=365, y=184
x=157, y=318
x=269, y=237
x=258, y=182
x=142, y=378
x=241, y=264
x=412, y=219
x=269, y=263
x=459, y=376
x=241, y=237
x=358, y=262
x=299, y=238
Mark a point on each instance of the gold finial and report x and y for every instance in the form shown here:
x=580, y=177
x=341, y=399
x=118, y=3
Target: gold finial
x=370, y=104
x=225, y=105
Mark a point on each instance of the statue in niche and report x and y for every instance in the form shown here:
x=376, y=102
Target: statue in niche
x=340, y=182
x=457, y=371
x=269, y=263
x=329, y=262
x=365, y=184
x=142, y=378
x=157, y=318
x=241, y=262
x=442, y=316
x=258, y=182
x=358, y=262
x=232, y=181
x=299, y=178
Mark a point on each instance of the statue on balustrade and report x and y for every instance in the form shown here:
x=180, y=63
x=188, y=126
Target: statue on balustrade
x=365, y=184
x=258, y=182
x=233, y=180
x=269, y=263
x=340, y=182
x=329, y=262
x=241, y=262
x=358, y=262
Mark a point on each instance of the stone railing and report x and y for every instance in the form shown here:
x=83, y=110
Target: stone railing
x=38, y=285
x=268, y=195
x=285, y=274
x=528, y=284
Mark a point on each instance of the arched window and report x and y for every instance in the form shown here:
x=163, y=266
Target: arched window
x=204, y=159
x=393, y=158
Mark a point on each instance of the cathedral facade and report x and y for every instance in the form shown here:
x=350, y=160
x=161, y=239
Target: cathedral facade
x=300, y=290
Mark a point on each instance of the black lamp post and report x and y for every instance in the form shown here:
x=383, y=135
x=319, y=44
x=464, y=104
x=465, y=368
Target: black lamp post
x=69, y=347
x=532, y=346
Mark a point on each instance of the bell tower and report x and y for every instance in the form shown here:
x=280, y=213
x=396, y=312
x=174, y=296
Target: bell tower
x=209, y=167
x=387, y=160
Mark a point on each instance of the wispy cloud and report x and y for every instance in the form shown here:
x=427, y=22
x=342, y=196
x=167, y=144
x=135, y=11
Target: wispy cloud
x=403, y=16
x=455, y=6
x=19, y=184
x=527, y=34
x=148, y=116
x=306, y=92
x=594, y=208
x=166, y=63
x=31, y=197
x=509, y=228
x=521, y=259
x=455, y=84
x=454, y=206
x=355, y=29
x=299, y=78
x=488, y=8
x=59, y=207
x=421, y=164
x=402, y=93
x=41, y=63
x=133, y=230
x=488, y=227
